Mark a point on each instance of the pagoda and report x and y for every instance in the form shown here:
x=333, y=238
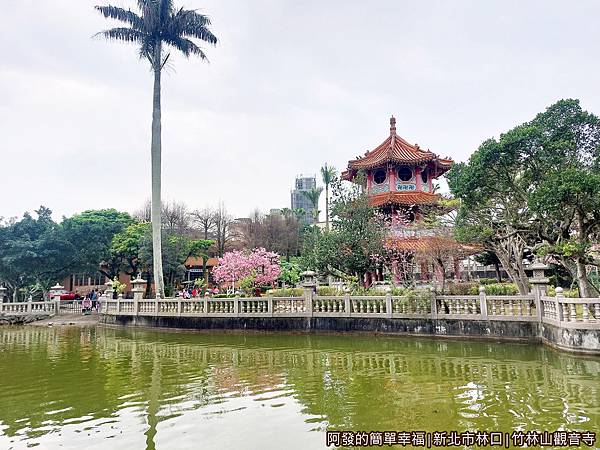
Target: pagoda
x=398, y=178
x=398, y=174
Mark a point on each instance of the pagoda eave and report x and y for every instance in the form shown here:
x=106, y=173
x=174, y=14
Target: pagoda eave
x=403, y=198
x=435, y=243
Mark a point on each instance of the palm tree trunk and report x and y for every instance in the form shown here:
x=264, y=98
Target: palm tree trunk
x=159, y=283
x=327, y=206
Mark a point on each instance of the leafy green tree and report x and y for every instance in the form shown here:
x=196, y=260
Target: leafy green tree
x=356, y=238
x=34, y=253
x=91, y=233
x=290, y=273
x=159, y=26
x=328, y=175
x=125, y=247
x=563, y=167
x=536, y=189
x=176, y=249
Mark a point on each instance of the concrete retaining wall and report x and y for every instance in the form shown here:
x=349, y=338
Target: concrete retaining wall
x=512, y=330
x=582, y=341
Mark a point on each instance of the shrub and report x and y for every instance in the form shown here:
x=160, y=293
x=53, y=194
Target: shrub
x=398, y=290
x=286, y=292
x=502, y=289
x=328, y=291
x=469, y=288
x=486, y=281
x=569, y=293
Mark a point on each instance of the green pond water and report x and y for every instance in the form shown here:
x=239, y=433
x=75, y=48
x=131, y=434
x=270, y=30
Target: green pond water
x=118, y=389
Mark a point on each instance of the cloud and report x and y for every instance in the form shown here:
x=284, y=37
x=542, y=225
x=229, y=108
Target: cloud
x=290, y=86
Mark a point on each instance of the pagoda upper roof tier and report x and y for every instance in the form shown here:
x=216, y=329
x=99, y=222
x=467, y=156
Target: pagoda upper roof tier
x=396, y=150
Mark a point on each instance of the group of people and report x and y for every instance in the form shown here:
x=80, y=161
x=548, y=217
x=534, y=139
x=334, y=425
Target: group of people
x=196, y=293
x=91, y=301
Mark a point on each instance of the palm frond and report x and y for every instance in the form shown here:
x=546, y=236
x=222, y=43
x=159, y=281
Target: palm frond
x=124, y=15
x=185, y=46
x=123, y=34
x=165, y=8
x=193, y=24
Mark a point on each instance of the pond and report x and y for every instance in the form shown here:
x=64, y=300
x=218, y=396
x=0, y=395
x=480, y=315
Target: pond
x=121, y=389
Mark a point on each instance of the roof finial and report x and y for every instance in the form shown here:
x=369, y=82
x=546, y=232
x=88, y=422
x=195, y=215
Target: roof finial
x=392, y=125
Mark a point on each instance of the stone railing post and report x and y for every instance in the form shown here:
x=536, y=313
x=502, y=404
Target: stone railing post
x=309, y=284
x=483, y=303
x=388, y=305
x=236, y=306
x=308, y=299
x=156, y=301
x=347, y=305
x=270, y=305
x=558, y=304
x=433, y=299
x=205, y=304
x=539, y=286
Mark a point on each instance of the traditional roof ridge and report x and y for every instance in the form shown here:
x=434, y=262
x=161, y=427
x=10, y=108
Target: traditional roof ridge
x=395, y=148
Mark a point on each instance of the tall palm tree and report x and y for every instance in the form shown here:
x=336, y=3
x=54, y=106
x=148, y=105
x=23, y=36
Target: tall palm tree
x=313, y=196
x=157, y=27
x=328, y=175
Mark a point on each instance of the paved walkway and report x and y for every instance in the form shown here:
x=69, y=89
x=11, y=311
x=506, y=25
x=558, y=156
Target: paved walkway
x=68, y=319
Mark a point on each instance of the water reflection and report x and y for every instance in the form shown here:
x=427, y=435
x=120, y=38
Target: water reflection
x=131, y=389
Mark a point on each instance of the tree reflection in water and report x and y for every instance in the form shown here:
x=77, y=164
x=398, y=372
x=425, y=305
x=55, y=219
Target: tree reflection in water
x=69, y=384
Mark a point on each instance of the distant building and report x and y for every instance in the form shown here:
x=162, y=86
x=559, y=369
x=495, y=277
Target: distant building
x=299, y=200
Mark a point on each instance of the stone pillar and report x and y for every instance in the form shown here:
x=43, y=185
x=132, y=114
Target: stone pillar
x=309, y=284
x=434, y=311
x=483, y=303
x=558, y=305
x=539, y=286
x=139, y=286
x=388, y=305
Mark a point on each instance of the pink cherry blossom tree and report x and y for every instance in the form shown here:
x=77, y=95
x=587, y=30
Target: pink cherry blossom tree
x=263, y=266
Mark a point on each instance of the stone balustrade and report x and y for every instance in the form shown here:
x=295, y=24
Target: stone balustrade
x=569, y=312
x=583, y=313
x=23, y=308
x=476, y=307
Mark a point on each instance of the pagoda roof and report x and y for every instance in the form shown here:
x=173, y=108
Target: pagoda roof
x=403, y=198
x=396, y=150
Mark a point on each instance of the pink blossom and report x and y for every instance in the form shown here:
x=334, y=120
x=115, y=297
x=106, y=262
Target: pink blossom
x=237, y=265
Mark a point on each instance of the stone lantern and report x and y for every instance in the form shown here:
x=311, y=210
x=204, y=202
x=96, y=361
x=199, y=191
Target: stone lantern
x=55, y=291
x=308, y=278
x=108, y=293
x=539, y=284
x=138, y=287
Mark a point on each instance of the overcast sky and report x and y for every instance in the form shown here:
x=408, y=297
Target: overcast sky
x=291, y=85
